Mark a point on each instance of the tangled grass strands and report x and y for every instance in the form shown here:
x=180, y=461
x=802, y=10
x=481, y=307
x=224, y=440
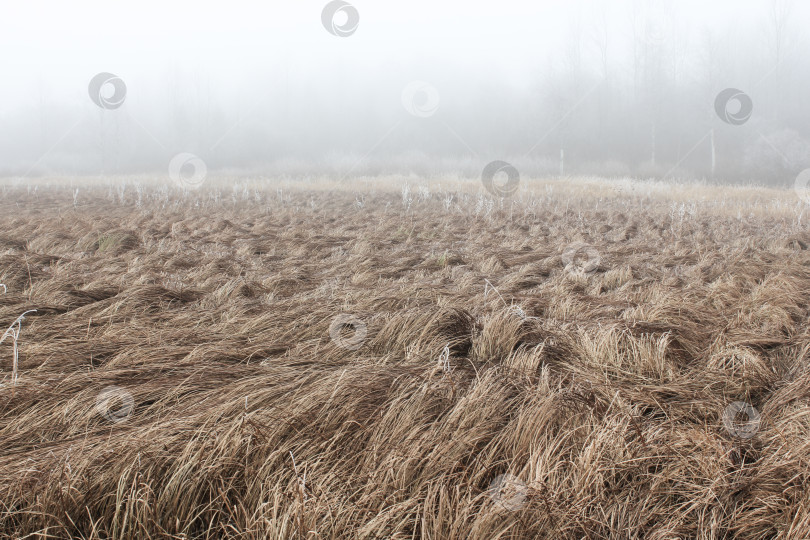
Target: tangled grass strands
x=184, y=376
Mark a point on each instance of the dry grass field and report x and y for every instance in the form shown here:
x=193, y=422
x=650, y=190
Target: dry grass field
x=388, y=358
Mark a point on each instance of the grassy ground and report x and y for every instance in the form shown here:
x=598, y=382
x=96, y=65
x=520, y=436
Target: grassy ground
x=392, y=359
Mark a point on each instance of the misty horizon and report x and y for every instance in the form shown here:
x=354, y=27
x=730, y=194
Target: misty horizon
x=621, y=89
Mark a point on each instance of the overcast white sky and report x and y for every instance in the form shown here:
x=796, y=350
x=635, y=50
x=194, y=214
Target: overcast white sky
x=50, y=49
x=243, y=83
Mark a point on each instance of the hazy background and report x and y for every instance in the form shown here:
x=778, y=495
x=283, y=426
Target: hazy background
x=614, y=87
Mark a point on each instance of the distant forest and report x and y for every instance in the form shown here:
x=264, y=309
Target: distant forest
x=661, y=104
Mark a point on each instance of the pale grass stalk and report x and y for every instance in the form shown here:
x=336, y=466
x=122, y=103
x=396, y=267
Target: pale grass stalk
x=13, y=331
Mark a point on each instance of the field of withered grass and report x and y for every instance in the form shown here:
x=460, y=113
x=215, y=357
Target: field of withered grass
x=397, y=359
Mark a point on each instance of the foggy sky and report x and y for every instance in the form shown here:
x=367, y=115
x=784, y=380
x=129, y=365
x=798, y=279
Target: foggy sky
x=248, y=84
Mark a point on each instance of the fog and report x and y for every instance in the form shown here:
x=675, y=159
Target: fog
x=665, y=89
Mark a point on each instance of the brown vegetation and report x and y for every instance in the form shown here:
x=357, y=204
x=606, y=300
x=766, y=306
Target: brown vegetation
x=184, y=374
